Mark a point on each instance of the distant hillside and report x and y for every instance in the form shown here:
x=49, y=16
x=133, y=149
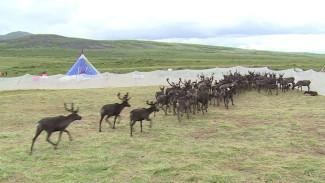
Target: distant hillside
x=52, y=41
x=24, y=40
x=13, y=35
x=54, y=54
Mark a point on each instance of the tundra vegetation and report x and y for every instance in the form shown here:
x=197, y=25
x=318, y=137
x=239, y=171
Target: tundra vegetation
x=56, y=54
x=262, y=138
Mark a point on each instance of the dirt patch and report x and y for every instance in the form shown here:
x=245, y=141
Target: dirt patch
x=203, y=133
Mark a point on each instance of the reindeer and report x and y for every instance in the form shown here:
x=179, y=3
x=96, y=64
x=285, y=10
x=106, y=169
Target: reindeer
x=312, y=93
x=228, y=94
x=271, y=87
x=163, y=100
x=302, y=83
x=161, y=92
x=173, y=86
x=285, y=81
x=142, y=114
x=215, y=95
x=53, y=124
x=183, y=104
x=113, y=110
x=285, y=88
x=203, y=98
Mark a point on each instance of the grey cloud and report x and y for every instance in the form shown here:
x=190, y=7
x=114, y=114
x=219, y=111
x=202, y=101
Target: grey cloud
x=197, y=30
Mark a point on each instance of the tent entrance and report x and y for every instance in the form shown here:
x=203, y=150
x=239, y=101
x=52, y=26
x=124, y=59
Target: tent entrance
x=82, y=69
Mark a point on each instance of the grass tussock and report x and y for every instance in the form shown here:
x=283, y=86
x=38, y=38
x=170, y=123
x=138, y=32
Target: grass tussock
x=262, y=138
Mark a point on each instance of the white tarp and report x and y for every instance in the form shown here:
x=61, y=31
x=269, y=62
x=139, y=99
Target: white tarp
x=152, y=78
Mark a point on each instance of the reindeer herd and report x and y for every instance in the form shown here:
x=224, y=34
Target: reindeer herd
x=182, y=97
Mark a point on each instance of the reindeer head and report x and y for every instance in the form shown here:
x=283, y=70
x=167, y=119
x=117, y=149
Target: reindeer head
x=74, y=112
x=125, y=99
x=153, y=105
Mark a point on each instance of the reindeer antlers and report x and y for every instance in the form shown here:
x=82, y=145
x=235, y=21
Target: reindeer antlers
x=125, y=96
x=72, y=108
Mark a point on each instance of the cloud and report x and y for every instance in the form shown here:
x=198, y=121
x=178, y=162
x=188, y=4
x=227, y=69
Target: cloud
x=284, y=42
x=228, y=23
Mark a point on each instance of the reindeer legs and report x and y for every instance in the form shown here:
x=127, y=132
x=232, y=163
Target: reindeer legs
x=115, y=121
x=38, y=132
x=141, y=125
x=131, y=127
x=48, y=139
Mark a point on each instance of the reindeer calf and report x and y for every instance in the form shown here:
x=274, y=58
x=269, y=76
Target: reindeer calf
x=53, y=124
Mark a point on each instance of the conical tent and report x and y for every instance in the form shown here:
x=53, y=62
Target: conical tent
x=82, y=66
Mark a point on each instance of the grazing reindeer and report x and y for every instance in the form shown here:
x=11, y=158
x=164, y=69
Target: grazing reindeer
x=302, y=83
x=142, y=114
x=113, y=110
x=53, y=124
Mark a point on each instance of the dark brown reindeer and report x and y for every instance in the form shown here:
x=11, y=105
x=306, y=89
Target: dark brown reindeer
x=228, y=94
x=53, y=124
x=173, y=86
x=142, y=114
x=113, y=110
x=203, y=99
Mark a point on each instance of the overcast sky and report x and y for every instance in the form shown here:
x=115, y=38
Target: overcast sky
x=281, y=25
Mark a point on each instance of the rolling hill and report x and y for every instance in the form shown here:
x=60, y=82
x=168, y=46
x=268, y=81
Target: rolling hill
x=13, y=35
x=38, y=53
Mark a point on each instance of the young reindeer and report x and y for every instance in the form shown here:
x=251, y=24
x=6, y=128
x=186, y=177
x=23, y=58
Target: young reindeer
x=113, y=110
x=53, y=124
x=142, y=114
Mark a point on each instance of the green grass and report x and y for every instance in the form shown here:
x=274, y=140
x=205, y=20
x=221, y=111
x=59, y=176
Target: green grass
x=262, y=138
x=55, y=55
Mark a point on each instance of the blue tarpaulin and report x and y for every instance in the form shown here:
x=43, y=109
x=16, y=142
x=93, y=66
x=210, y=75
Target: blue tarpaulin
x=82, y=66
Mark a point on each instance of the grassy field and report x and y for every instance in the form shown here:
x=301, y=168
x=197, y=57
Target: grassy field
x=262, y=138
x=55, y=55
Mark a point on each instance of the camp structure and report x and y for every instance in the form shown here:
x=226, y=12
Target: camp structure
x=82, y=66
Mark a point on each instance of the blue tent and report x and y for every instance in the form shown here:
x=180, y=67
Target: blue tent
x=82, y=66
